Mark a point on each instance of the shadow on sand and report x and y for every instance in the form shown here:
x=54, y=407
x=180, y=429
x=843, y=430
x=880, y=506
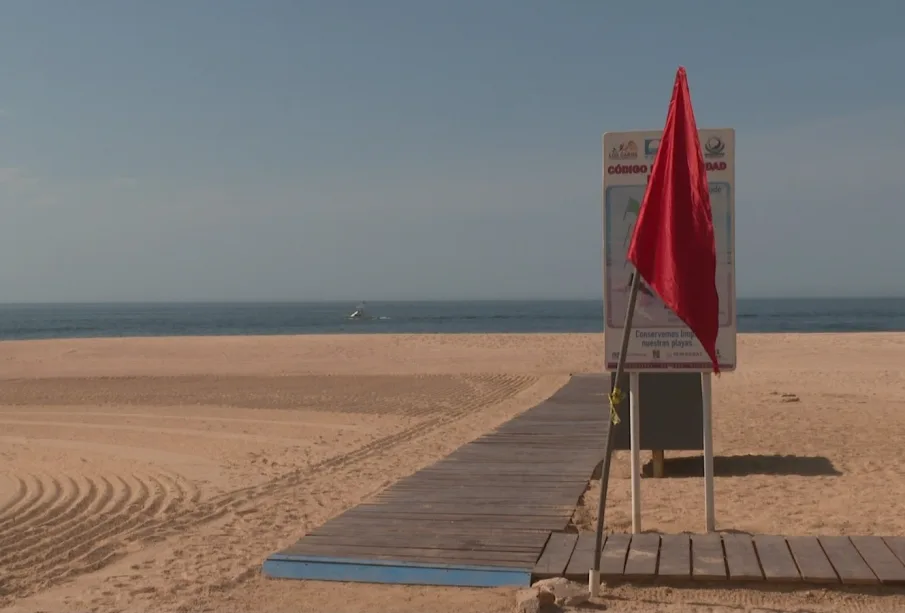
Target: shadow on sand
x=744, y=465
x=799, y=593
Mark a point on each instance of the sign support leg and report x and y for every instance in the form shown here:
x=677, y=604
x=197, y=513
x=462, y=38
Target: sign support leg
x=635, y=424
x=707, y=398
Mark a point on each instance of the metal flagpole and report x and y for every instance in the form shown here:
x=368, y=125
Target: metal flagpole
x=594, y=574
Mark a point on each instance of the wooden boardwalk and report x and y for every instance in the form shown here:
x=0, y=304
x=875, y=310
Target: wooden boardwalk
x=482, y=516
x=855, y=560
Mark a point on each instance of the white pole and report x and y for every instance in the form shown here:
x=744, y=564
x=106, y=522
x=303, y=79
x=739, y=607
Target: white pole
x=594, y=583
x=635, y=424
x=707, y=398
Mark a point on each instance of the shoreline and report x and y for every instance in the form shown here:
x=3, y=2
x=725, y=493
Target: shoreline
x=296, y=335
x=42, y=323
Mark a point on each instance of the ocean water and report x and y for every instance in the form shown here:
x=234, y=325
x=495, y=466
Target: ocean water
x=117, y=320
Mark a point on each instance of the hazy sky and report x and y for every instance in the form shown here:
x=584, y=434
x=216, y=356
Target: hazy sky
x=291, y=149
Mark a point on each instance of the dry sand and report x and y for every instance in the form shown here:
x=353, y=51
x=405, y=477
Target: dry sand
x=157, y=474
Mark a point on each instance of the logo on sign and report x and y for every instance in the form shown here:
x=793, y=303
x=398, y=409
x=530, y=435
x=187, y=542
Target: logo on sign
x=714, y=147
x=625, y=151
x=656, y=353
x=650, y=147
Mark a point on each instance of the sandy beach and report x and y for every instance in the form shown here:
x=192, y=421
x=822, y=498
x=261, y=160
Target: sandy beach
x=157, y=474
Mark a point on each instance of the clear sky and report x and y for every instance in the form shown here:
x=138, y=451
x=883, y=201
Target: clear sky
x=405, y=149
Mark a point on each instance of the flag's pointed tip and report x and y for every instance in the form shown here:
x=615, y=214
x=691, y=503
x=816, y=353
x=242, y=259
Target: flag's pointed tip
x=681, y=84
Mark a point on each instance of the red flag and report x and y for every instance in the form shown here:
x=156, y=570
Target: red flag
x=672, y=244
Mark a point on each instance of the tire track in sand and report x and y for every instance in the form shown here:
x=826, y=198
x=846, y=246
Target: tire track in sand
x=85, y=536
x=499, y=388
x=58, y=531
x=19, y=496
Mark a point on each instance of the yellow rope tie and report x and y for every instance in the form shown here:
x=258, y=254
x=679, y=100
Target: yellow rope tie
x=615, y=399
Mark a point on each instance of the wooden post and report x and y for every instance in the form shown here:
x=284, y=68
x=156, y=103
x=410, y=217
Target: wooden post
x=657, y=463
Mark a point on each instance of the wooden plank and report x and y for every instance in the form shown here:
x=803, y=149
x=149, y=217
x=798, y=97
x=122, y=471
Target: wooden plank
x=642, y=556
x=545, y=433
x=441, y=479
x=543, y=426
x=776, y=559
x=741, y=559
x=547, y=415
x=396, y=541
x=882, y=561
x=464, y=522
x=537, y=436
x=707, y=560
x=523, y=440
x=539, y=439
x=513, y=496
x=528, y=459
x=500, y=470
x=516, y=496
x=675, y=556
x=535, y=523
x=515, y=453
x=561, y=452
x=421, y=556
x=522, y=474
x=464, y=509
x=493, y=466
x=514, y=534
x=554, y=501
x=849, y=565
x=445, y=479
x=573, y=470
x=415, y=501
x=441, y=482
x=615, y=550
x=515, y=559
x=582, y=557
x=498, y=510
x=534, y=539
x=535, y=419
x=551, y=499
x=438, y=478
x=500, y=515
x=556, y=555
x=455, y=543
x=516, y=521
x=896, y=544
x=811, y=560
x=414, y=491
x=514, y=471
